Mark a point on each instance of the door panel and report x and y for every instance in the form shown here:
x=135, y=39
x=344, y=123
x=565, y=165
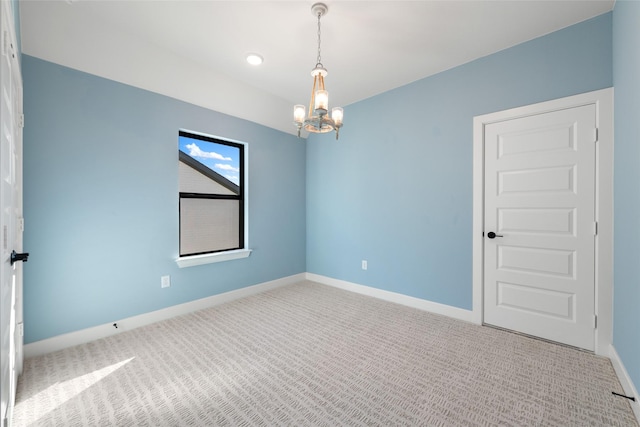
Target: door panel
x=558, y=179
x=539, y=275
x=558, y=221
x=536, y=300
x=538, y=261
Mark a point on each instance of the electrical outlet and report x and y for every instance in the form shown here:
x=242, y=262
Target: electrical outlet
x=364, y=264
x=165, y=281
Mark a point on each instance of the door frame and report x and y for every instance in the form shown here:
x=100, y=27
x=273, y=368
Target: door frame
x=603, y=100
x=9, y=47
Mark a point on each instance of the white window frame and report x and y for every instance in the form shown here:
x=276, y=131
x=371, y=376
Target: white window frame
x=244, y=252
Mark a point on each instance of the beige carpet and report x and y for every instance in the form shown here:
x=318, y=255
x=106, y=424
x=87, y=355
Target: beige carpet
x=312, y=355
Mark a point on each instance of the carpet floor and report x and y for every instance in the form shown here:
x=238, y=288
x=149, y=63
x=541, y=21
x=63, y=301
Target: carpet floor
x=312, y=355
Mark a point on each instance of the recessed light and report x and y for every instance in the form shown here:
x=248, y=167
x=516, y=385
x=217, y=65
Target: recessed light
x=254, y=59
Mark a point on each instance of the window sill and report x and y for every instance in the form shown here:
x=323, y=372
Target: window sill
x=190, y=261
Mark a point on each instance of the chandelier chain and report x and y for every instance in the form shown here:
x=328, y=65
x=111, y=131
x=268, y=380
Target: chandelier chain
x=319, y=62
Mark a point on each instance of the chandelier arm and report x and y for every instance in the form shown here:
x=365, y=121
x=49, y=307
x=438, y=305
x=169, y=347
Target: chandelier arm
x=313, y=96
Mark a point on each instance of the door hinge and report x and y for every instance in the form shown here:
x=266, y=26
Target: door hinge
x=21, y=224
x=595, y=228
x=5, y=42
x=595, y=135
x=21, y=121
x=21, y=329
x=595, y=321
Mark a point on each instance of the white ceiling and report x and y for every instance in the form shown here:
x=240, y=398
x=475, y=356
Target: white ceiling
x=194, y=50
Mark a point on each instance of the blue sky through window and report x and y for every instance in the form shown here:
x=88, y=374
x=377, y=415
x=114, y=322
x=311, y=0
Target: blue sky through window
x=223, y=159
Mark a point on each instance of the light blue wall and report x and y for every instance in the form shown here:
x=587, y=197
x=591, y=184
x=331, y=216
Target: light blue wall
x=626, y=78
x=396, y=189
x=101, y=206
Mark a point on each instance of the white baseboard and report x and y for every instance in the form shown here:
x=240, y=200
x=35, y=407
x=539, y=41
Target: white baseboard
x=101, y=331
x=625, y=380
x=421, y=304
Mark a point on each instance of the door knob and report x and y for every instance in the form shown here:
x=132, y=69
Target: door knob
x=19, y=257
x=493, y=235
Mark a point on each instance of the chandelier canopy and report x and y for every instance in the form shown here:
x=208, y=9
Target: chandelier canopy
x=318, y=119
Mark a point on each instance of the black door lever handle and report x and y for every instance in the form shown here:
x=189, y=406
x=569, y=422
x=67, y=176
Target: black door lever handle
x=19, y=257
x=493, y=235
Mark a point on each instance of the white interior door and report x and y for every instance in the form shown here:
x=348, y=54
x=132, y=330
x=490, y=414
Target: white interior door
x=539, y=274
x=10, y=214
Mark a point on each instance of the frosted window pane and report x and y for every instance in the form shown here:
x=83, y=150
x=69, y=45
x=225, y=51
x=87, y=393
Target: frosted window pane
x=192, y=181
x=208, y=225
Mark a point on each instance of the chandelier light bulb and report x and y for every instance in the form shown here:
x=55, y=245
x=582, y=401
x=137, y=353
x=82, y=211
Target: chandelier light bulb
x=336, y=115
x=299, y=113
x=322, y=101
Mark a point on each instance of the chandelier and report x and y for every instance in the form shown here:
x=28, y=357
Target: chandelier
x=318, y=120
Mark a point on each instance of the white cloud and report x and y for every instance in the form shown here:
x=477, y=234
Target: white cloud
x=233, y=178
x=226, y=167
x=195, y=151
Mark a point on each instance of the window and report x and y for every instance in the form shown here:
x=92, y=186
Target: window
x=212, y=195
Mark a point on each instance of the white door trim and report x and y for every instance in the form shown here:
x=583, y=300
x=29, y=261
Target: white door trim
x=603, y=99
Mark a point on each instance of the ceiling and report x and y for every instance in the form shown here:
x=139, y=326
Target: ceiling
x=195, y=50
